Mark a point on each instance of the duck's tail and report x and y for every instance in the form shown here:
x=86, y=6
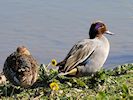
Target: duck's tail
x=61, y=66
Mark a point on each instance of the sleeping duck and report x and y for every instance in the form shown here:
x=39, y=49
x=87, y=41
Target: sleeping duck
x=20, y=68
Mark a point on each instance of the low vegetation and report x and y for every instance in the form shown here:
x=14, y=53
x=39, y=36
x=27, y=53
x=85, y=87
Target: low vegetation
x=113, y=84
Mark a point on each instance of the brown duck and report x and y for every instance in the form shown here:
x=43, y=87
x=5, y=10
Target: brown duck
x=20, y=68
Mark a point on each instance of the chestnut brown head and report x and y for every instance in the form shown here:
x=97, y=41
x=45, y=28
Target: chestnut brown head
x=97, y=29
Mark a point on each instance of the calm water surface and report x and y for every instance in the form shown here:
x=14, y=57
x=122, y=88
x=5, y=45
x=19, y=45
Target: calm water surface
x=50, y=28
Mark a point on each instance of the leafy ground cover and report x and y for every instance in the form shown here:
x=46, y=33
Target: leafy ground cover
x=113, y=84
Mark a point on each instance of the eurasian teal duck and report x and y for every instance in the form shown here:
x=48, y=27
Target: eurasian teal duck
x=89, y=55
x=20, y=68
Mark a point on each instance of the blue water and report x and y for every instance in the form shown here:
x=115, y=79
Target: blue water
x=50, y=28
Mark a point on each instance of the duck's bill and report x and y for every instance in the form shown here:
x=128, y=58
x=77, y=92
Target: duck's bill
x=110, y=33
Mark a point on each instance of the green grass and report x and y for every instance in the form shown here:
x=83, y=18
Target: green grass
x=115, y=84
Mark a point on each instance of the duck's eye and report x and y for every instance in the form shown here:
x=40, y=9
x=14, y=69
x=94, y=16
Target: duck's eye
x=98, y=26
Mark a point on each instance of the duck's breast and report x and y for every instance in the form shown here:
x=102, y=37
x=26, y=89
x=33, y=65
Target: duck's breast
x=99, y=56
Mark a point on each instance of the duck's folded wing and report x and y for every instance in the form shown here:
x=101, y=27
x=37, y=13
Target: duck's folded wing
x=79, y=53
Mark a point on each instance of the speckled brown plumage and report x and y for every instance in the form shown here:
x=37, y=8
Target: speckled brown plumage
x=20, y=68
